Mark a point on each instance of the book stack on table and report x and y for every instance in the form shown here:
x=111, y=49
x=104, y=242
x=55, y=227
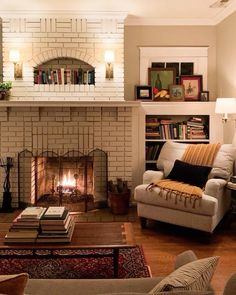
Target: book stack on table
x=25, y=227
x=57, y=226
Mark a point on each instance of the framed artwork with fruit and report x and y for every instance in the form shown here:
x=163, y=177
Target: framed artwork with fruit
x=160, y=79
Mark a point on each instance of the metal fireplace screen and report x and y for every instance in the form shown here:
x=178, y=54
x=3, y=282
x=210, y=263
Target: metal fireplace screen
x=52, y=179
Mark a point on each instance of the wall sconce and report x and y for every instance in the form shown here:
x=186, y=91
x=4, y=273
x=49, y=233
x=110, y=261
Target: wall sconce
x=225, y=106
x=109, y=59
x=14, y=56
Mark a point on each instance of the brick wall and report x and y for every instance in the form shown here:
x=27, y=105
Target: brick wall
x=61, y=129
x=42, y=39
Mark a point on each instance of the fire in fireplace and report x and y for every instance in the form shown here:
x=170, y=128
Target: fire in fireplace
x=69, y=179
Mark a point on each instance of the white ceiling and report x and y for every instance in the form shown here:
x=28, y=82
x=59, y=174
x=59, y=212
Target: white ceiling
x=139, y=12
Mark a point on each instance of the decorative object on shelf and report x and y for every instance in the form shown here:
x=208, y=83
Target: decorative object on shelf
x=225, y=106
x=5, y=89
x=14, y=56
x=204, y=96
x=143, y=92
x=176, y=92
x=192, y=86
x=160, y=78
x=118, y=196
x=7, y=164
x=109, y=59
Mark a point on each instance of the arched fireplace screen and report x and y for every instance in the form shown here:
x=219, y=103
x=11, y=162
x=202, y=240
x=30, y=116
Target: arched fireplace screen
x=52, y=179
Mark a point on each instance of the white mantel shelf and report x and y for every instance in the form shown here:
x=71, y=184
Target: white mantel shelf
x=9, y=103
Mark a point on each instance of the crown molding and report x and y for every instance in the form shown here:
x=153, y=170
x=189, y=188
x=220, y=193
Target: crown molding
x=64, y=14
x=135, y=21
x=225, y=13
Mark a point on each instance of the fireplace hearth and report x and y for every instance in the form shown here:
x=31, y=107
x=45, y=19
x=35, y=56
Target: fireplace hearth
x=74, y=179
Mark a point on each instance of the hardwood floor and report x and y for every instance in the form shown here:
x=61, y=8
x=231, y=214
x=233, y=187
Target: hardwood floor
x=162, y=242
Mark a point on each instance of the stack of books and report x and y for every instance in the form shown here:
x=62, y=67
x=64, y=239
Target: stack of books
x=25, y=227
x=196, y=128
x=57, y=226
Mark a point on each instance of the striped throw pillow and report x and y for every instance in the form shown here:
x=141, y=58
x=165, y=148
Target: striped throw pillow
x=195, y=275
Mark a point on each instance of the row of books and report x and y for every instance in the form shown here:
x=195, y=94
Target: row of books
x=193, y=128
x=41, y=225
x=152, y=152
x=64, y=76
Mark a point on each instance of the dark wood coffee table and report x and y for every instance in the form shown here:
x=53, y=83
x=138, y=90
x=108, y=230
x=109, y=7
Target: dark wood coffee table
x=87, y=236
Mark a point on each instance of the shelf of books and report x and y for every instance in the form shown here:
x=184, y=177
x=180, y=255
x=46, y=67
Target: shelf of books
x=159, y=128
x=62, y=76
x=41, y=225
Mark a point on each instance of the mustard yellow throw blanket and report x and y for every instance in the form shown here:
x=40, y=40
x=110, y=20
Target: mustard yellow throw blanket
x=195, y=154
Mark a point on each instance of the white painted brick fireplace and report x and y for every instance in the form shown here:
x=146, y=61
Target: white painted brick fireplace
x=43, y=38
x=66, y=117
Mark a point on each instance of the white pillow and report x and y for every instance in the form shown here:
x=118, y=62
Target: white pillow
x=170, y=152
x=224, y=161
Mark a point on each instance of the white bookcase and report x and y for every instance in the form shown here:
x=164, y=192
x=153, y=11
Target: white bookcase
x=183, y=110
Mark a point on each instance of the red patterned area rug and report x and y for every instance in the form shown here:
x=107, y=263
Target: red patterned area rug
x=132, y=264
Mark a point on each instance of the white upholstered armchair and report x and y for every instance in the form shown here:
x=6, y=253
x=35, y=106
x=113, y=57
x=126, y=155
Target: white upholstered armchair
x=207, y=211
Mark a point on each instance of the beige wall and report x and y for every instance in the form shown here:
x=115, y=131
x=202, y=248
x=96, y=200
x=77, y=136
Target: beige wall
x=226, y=57
x=226, y=66
x=136, y=36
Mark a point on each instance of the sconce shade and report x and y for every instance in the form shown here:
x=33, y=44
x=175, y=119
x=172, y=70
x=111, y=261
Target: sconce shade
x=14, y=55
x=109, y=56
x=109, y=59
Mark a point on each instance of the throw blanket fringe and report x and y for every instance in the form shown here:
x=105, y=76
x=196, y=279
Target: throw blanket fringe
x=196, y=154
x=178, y=190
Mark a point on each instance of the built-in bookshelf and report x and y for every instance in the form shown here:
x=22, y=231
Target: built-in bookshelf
x=187, y=122
x=159, y=128
x=64, y=71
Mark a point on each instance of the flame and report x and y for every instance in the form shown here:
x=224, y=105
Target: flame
x=68, y=180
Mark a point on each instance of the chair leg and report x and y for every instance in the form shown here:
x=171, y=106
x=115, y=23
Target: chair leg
x=143, y=222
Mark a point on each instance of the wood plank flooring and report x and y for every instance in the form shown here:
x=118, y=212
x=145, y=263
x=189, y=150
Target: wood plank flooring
x=162, y=242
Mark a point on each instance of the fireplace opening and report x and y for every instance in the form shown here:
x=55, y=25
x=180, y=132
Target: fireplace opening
x=75, y=180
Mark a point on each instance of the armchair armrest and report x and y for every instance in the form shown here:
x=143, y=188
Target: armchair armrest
x=151, y=175
x=215, y=187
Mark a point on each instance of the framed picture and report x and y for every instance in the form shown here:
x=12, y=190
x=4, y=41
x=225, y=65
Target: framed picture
x=161, y=78
x=192, y=86
x=176, y=92
x=204, y=96
x=143, y=92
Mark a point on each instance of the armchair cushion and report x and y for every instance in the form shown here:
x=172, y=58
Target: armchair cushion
x=192, y=174
x=207, y=205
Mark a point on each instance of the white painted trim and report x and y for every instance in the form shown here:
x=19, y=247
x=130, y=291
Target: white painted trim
x=43, y=103
x=198, y=55
x=60, y=14
x=144, y=21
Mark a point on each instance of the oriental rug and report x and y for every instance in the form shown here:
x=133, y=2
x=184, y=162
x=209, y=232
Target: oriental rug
x=132, y=264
